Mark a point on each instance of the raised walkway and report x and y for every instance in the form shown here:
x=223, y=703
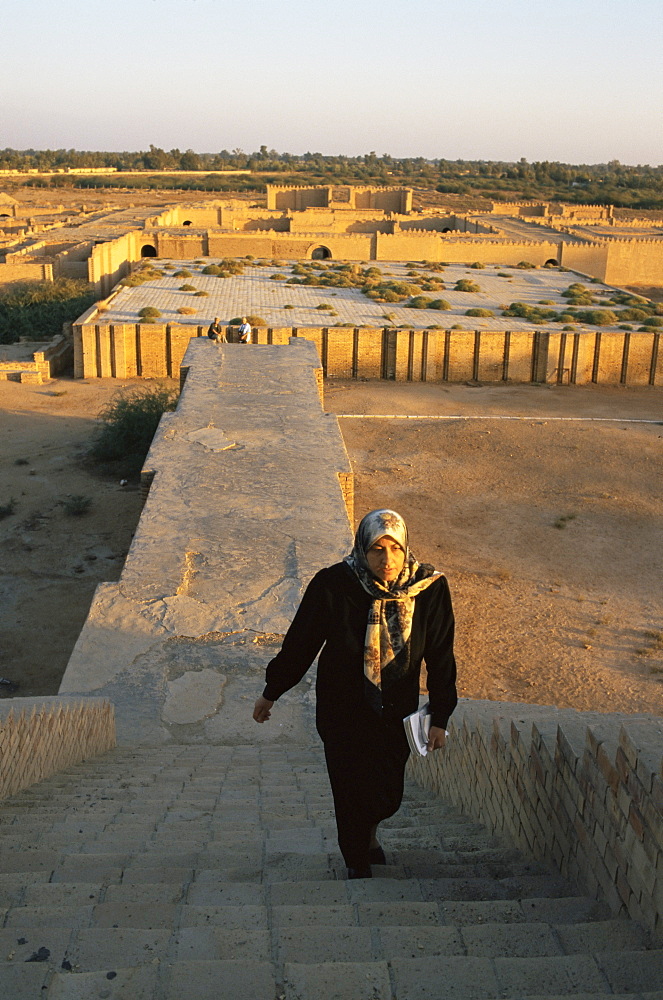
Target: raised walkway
x=251, y=494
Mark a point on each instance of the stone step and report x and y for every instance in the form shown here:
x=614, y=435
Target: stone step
x=214, y=871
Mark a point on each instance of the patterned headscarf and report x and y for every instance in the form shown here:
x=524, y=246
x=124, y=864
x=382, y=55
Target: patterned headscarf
x=387, y=642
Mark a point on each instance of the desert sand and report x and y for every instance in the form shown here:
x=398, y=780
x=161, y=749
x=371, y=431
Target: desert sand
x=549, y=530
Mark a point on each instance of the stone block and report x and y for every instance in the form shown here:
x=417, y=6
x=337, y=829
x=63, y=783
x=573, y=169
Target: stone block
x=117, y=947
x=228, y=917
x=394, y=914
x=319, y=944
x=305, y=915
x=138, y=983
x=459, y=978
x=534, y=976
x=405, y=941
x=632, y=971
x=221, y=943
x=211, y=980
x=337, y=981
x=506, y=940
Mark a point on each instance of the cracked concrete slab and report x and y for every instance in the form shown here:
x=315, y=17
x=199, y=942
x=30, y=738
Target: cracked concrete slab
x=246, y=504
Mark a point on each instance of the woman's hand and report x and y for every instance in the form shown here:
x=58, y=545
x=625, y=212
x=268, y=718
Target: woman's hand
x=436, y=738
x=262, y=709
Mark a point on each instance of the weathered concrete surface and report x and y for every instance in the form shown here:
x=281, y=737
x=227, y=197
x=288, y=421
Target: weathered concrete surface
x=245, y=506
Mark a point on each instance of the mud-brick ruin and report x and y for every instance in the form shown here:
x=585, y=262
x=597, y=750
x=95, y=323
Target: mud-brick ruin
x=360, y=225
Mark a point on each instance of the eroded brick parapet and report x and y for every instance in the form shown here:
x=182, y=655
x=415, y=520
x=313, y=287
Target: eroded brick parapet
x=40, y=736
x=578, y=789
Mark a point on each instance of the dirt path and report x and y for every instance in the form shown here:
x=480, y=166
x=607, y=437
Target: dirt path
x=550, y=531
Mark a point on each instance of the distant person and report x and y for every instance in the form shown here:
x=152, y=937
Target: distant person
x=216, y=331
x=245, y=332
x=375, y=616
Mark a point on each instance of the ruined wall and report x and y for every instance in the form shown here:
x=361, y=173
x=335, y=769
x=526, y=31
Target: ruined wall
x=286, y=246
x=416, y=246
x=635, y=261
x=110, y=261
x=179, y=246
x=296, y=199
x=618, y=262
x=154, y=350
x=30, y=270
x=581, y=790
x=588, y=258
x=73, y=263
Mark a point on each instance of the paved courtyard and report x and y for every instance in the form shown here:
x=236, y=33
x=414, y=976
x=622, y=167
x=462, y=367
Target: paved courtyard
x=256, y=292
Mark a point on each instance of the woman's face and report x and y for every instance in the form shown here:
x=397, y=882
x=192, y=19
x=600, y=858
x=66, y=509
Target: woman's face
x=385, y=559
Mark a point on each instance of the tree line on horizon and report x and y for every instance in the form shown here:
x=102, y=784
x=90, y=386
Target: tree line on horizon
x=614, y=183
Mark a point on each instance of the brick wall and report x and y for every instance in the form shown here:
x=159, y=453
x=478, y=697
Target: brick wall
x=579, y=789
x=155, y=350
x=29, y=271
x=40, y=736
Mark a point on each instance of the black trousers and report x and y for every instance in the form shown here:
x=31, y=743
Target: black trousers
x=366, y=770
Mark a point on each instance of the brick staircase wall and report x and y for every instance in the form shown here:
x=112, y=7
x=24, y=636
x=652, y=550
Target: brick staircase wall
x=41, y=736
x=579, y=789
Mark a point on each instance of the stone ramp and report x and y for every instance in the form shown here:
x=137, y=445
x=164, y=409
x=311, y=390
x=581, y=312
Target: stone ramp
x=208, y=872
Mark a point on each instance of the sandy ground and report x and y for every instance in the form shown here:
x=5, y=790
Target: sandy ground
x=550, y=530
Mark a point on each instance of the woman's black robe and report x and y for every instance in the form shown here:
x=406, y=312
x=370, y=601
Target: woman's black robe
x=366, y=753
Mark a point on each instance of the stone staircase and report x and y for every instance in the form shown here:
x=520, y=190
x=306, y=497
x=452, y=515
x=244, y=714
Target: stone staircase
x=212, y=872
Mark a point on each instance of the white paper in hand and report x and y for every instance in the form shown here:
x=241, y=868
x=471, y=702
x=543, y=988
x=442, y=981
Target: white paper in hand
x=417, y=730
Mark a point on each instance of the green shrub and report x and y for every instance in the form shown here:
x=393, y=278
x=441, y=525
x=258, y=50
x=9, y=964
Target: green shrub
x=149, y=312
x=418, y=302
x=479, y=312
x=37, y=310
x=288, y=306
x=633, y=315
x=626, y=299
x=432, y=285
x=277, y=277
x=182, y=273
x=503, y=274
x=251, y=320
x=200, y=294
x=186, y=311
x=596, y=317
x=440, y=304
x=128, y=424
x=212, y=269
x=140, y=277
x=579, y=294
x=477, y=265
x=465, y=285
x=654, y=321
x=533, y=314
x=525, y=265
x=76, y=505
x=187, y=288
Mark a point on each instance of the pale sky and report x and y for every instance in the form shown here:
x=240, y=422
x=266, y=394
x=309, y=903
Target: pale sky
x=579, y=81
